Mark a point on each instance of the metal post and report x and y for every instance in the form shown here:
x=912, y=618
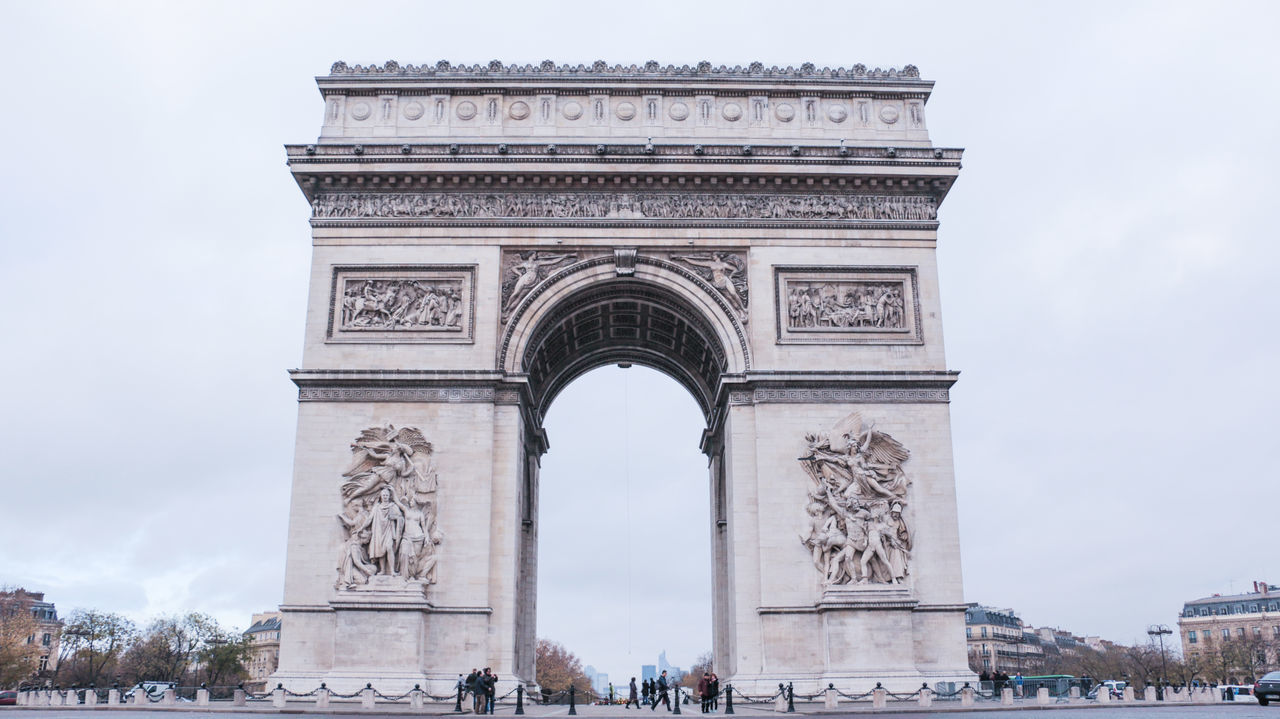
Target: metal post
x=573, y=710
x=728, y=699
x=676, y=710
x=458, y=706
x=519, y=699
x=791, y=698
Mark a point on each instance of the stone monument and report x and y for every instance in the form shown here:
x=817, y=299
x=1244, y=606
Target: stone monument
x=485, y=234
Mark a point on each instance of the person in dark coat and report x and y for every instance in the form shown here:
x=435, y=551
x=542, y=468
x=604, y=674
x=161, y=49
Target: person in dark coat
x=646, y=691
x=714, y=685
x=704, y=691
x=633, y=695
x=662, y=693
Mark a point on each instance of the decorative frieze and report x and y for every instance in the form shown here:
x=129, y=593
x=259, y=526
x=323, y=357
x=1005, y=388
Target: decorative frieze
x=623, y=206
x=547, y=68
x=862, y=305
x=402, y=394
x=418, y=303
x=840, y=396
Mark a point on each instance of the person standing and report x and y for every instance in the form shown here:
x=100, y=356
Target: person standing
x=490, y=690
x=704, y=691
x=662, y=696
x=1017, y=683
x=715, y=692
x=633, y=695
x=646, y=690
x=469, y=685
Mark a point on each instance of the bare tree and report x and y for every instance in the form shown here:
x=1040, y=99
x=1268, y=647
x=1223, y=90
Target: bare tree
x=93, y=643
x=19, y=650
x=558, y=668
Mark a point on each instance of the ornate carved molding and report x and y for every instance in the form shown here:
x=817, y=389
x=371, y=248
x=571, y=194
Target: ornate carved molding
x=623, y=206
x=841, y=396
x=651, y=69
x=400, y=394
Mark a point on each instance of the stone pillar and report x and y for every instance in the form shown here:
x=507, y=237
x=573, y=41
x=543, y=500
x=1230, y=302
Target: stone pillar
x=22, y=698
x=878, y=697
x=1073, y=693
x=91, y=697
x=415, y=697
x=238, y=698
x=322, y=697
x=1128, y=694
x=170, y=697
x=1149, y=694
x=1006, y=696
x=1042, y=696
x=277, y=697
x=366, y=698
x=60, y=697
x=113, y=697
x=202, y=697
x=966, y=696
x=926, y=697
x=137, y=697
x=1104, y=694
x=780, y=703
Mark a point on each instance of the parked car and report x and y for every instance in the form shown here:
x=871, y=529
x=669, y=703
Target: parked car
x=1229, y=692
x=1116, y=688
x=152, y=689
x=11, y=698
x=1267, y=688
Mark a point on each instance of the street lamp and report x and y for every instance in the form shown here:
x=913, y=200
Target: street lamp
x=1160, y=630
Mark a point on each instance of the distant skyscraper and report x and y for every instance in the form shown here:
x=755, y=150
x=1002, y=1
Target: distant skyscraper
x=662, y=661
x=648, y=671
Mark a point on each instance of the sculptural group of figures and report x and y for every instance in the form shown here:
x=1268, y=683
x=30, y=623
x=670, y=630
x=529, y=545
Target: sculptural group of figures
x=846, y=304
x=401, y=304
x=389, y=509
x=704, y=205
x=856, y=531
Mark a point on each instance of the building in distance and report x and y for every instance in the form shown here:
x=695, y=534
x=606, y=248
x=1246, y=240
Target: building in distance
x=1233, y=638
x=263, y=636
x=43, y=632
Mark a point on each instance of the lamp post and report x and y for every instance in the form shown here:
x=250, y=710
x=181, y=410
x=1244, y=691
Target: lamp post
x=1160, y=630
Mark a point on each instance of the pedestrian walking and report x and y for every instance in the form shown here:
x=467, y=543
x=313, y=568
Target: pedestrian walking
x=662, y=688
x=633, y=694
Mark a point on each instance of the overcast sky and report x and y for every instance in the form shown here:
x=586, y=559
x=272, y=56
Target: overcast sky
x=1108, y=262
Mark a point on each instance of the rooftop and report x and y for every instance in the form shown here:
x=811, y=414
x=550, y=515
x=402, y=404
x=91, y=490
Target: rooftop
x=651, y=69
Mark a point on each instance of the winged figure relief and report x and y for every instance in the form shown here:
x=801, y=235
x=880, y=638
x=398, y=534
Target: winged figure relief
x=389, y=508
x=856, y=530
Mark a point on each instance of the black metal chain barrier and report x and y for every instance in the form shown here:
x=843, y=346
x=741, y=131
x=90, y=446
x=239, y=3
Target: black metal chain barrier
x=757, y=700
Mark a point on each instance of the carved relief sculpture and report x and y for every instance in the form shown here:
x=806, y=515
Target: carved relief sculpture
x=727, y=273
x=856, y=531
x=623, y=205
x=845, y=304
x=521, y=271
x=401, y=305
x=389, y=510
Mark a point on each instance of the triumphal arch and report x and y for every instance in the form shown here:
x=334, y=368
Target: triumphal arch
x=485, y=234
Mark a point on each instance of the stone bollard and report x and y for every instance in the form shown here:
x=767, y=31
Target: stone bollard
x=202, y=696
x=59, y=698
x=278, y=698
x=169, y=698
x=137, y=697
x=1128, y=694
x=1006, y=697
x=878, y=697
x=926, y=696
x=780, y=704
x=1149, y=694
x=322, y=697
x=1042, y=696
x=238, y=697
x=829, y=698
x=366, y=697
x=1073, y=693
x=966, y=695
x=113, y=697
x=22, y=698
x=91, y=697
x=1104, y=694
x=415, y=697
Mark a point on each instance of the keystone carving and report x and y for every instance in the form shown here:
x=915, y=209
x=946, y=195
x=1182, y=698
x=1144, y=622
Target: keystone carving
x=856, y=531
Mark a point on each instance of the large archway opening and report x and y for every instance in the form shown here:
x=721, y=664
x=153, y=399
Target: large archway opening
x=624, y=547
x=629, y=499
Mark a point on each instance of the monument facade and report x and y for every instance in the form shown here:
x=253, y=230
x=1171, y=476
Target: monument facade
x=485, y=234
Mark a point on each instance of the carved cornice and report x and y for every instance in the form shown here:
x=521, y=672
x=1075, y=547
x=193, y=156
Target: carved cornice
x=568, y=152
x=765, y=387
x=600, y=69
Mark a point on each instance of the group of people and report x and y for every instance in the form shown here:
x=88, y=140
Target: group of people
x=482, y=687
x=652, y=692
x=999, y=680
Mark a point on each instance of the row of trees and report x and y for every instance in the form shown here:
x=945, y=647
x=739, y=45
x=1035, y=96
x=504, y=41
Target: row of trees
x=559, y=668
x=1239, y=660
x=103, y=648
